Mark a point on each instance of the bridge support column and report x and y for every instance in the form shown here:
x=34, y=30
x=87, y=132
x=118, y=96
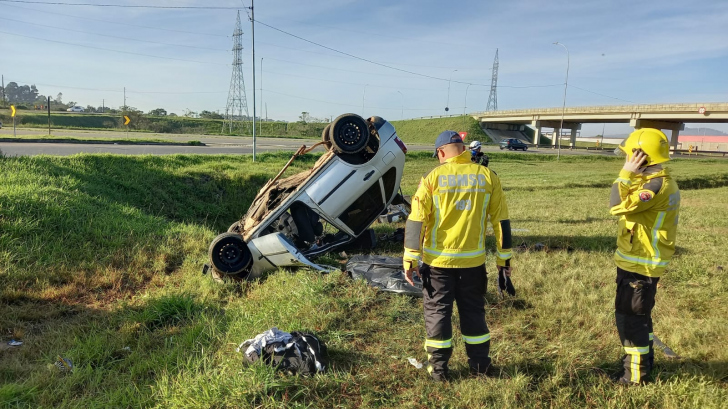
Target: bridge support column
x=536, y=125
x=675, y=134
x=555, y=137
x=574, y=129
x=674, y=127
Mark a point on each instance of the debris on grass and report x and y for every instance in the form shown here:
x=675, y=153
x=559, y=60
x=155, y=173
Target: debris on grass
x=414, y=363
x=14, y=343
x=65, y=365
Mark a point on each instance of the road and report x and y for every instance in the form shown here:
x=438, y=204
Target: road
x=215, y=145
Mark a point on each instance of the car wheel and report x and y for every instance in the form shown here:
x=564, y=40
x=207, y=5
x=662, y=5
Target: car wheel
x=230, y=254
x=501, y=148
x=525, y=148
x=510, y=148
x=349, y=133
x=235, y=228
x=325, y=136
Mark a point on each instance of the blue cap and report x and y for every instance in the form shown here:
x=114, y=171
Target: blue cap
x=446, y=138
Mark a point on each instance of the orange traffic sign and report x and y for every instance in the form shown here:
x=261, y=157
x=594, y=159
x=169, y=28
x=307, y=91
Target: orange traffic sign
x=12, y=111
x=126, y=120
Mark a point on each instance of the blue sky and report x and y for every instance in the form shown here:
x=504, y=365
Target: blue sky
x=622, y=52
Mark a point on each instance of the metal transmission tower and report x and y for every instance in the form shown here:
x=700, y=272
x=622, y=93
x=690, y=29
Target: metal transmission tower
x=493, y=97
x=236, y=112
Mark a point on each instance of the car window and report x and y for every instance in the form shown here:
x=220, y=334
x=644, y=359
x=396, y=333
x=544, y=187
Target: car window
x=390, y=181
x=364, y=210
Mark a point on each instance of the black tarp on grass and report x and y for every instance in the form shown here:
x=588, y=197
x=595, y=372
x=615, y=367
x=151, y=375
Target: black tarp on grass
x=385, y=273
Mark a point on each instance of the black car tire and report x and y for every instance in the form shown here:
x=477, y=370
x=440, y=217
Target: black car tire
x=501, y=148
x=525, y=148
x=349, y=133
x=229, y=254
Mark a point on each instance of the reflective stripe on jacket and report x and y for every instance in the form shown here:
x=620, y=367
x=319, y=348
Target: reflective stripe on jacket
x=649, y=207
x=448, y=222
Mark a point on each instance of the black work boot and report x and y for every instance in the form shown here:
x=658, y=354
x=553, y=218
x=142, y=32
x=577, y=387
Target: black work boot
x=438, y=375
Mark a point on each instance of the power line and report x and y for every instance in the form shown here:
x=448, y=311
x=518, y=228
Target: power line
x=336, y=69
x=116, y=22
x=341, y=56
x=403, y=70
x=385, y=36
x=396, y=88
x=109, y=49
x=349, y=83
x=57, y=3
x=349, y=105
x=603, y=95
x=110, y=36
x=361, y=58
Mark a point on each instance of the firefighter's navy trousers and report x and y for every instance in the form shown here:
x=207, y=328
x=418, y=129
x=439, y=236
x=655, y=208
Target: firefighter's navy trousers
x=467, y=287
x=633, y=312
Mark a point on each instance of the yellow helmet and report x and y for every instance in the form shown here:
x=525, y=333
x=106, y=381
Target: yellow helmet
x=652, y=141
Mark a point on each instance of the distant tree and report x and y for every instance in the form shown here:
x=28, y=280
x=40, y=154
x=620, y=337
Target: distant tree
x=172, y=114
x=210, y=115
x=190, y=114
x=304, y=118
x=20, y=94
x=59, y=98
x=158, y=112
x=131, y=110
x=91, y=109
x=71, y=103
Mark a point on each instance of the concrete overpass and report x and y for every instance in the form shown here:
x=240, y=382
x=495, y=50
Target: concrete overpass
x=670, y=117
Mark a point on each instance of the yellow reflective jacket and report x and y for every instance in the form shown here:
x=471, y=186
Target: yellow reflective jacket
x=447, y=225
x=649, y=207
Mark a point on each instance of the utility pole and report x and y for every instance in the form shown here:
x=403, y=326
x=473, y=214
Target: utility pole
x=124, y=100
x=3, y=78
x=563, y=108
x=447, y=105
x=103, y=106
x=252, y=21
x=465, y=105
x=48, y=105
x=261, y=93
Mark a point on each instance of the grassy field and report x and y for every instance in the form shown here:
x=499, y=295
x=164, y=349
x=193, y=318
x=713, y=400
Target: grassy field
x=92, y=139
x=100, y=260
x=426, y=130
x=412, y=131
x=166, y=124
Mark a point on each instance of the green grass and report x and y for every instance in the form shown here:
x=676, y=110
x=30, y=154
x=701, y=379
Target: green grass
x=425, y=131
x=145, y=123
x=102, y=252
x=411, y=131
x=92, y=139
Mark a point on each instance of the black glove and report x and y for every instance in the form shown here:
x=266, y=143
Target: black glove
x=505, y=283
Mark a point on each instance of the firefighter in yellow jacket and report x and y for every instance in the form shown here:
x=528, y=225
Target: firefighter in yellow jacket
x=446, y=232
x=648, y=203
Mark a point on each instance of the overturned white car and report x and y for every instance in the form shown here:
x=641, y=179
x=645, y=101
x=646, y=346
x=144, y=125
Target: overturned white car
x=295, y=219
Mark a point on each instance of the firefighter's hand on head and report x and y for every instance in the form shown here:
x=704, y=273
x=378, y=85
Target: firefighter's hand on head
x=410, y=272
x=635, y=162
